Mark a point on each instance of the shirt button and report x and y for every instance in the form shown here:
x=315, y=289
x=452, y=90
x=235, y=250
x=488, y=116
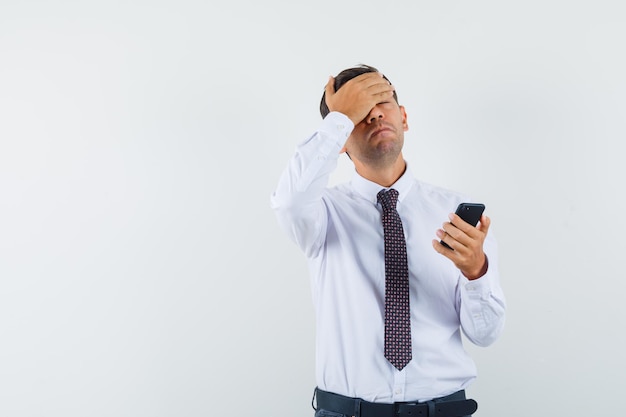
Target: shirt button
x=398, y=391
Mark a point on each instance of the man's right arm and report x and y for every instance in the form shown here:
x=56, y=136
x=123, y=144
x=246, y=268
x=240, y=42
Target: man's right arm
x=297, y=199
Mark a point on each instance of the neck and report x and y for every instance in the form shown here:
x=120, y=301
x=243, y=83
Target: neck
x=385, y=175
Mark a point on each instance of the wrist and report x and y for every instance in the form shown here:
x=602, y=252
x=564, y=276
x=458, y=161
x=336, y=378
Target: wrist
x=472, y=275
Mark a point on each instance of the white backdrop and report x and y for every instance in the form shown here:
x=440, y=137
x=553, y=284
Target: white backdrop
x=142, y=272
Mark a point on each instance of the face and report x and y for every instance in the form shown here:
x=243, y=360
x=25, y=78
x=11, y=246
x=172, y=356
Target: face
x=377, y=140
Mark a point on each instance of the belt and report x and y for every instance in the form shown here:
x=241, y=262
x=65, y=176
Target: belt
x=454, y=405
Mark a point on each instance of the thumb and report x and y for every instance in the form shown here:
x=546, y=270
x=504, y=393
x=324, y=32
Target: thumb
x=485, y=222
x=330, y=86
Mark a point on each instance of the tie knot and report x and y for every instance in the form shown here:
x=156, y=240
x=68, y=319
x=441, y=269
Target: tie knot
x=388, y=199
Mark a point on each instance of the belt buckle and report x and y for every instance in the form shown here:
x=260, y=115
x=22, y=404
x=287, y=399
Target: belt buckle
x=411, y=410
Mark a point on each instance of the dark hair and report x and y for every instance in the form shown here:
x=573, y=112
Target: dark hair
x=345, y=76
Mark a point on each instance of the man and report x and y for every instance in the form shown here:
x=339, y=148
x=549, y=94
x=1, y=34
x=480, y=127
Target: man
x=376, y=271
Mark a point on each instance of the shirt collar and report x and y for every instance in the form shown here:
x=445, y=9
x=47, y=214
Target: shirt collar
x=369, y=190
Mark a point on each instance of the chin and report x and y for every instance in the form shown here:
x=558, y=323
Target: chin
x=389, y=149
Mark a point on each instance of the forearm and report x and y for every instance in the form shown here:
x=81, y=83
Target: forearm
x=297, y=199
x=482, y=303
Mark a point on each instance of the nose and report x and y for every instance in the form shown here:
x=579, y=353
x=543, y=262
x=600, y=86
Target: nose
x=374, y=114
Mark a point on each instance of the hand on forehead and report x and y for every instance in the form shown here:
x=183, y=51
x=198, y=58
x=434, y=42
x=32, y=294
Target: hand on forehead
x=358, y=96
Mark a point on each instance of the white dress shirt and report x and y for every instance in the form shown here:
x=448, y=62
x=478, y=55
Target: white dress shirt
x=340, y=231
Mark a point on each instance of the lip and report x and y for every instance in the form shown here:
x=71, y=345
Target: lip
x=380, y=129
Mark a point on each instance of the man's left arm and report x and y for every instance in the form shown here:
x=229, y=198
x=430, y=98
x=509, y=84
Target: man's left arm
x=480, y=302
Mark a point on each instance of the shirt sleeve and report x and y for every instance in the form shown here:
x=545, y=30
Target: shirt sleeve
x=297, y=200
x=482, y=302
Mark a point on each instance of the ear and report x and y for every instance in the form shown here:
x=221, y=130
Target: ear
x=405, y=125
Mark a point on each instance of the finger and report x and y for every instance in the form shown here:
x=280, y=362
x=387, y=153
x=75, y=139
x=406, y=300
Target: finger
x=439, y=248
x=459, y=239
x=453, y=237
x=479, y=231
x=368, y=78
x=462, y=224
x=372, y=82
x=376, y=85
x=446, y=238
x=381, y=90
x=451, y=230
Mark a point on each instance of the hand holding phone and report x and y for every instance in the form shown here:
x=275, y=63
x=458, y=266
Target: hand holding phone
x=470, y=213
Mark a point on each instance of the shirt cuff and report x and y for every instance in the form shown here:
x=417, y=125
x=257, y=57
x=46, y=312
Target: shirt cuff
x=479, y=288
x=337, y=126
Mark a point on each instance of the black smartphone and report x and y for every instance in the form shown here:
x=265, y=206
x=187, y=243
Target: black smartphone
x=470, y=213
